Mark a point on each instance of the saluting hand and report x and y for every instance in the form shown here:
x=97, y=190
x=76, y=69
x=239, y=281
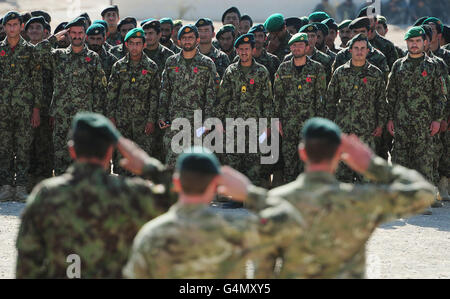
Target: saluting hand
x=435, y=127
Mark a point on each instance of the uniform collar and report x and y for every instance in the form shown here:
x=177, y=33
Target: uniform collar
x=82, y=53
x=196, y=56
x=85, y=169
x=349, y=65
x=251, y=67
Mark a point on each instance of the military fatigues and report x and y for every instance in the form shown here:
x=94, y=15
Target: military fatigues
x=444, y=54
x=20, y=92
x=283, y=49
x=320, y=57
x=416, y=94
x=89, y=213
x=270, y=61
x=79, y=84
x=114, y=39
x=220, y=59
x=339, y=218
x=298, y=97
x=119, y=51
x=246, y=93
x=186, y=86
x=107, y=59
x=132, y=100
x=172, y=47
x=159, y=56
x=356, y=101
x=386, y=47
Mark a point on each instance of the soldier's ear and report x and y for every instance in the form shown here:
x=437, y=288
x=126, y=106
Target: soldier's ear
x=302, y=153
x=176, y=183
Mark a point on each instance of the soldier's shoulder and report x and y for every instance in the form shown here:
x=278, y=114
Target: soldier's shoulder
x=378, y=53
x=324, y=56
x=374, y=70
x=385, y=41
x=232, y=67
x=156, y=228
x=205, y=60
x=343, y=52
x=49, y=190
x=285, y=65
x=150, y=64
x=261, y=68
x=172, y=60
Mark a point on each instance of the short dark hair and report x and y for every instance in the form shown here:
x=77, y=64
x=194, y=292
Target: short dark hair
x=195, y=183
x=320, y=149
x=89, y=144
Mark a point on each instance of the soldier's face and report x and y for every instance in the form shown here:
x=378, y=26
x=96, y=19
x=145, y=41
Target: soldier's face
x=359, y=51
x=345, y=35
x=13, y=28
x=77, y=36
x=135, y=46
x=166, y=32
x=320, y=43
x=124, y=29
x=381, y=29
x=231, y=18
x=206, y=34
x=436, y=35
x=112, y=18
x=245, y=52
x=291, y=29
x=95, y=42
x=331, y=37
x=175, y=33
x=152, y=37
x=244, y=26
x=299, y=49
x=416, y=45
x=189, y=42
x=312, y=39
x=260, y=40
x=226, y=41
x=35, y=32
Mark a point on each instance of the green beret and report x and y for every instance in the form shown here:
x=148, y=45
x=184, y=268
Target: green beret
x=258, y=28
x=39, y=20
x=103, y=23
x=362, y=22
x=204, y=22
x=198, y=159
x=46, y=16
x=225, y=29
x=151, y=23
x=86, y=16
x=298, y=37
x=323, y=129
x=420, y=21
x=367, y=11
x=358, y=38
x=322, y=27
x=415, y=31
x=248, y=38
x=382, y=20
x=96, y=29
x=110, y=8
x=166, y=21
x=127, y=20
x=60, y=27
x=12, y=15
x=318, y=16
x=344, y=24
x=231, y=10
x=309, y=28
x=135, y=33
x=331, y=23
x=78, y=22
x=97, y=124
x=187, y=29
x=177, y=23
x=436, y=21
x=274, y=23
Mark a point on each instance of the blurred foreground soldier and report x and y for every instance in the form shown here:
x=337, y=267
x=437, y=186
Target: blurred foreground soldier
x=278, y=36
x=356, y=100
x=299, y=90
x=154, y=50
x=125, y=25
x=21, y=97
x=177, y=24
x=382, y=29
x=87, y=211
x=64, y=41
x=339, y=218
x=225, y=41
x=133, y=94
x=206, y=33
x=416, y=93
x=345, y=34
x=166, y=35
x=293, y=24
x=111, y=16
x=95, y=40
x=189, y=83
x=245, y=24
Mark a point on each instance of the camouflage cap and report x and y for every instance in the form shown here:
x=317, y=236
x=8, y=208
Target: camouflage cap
x=96, y=29
x=225, y=29
x=321, y=128
x=166, y=21
x=135, y=33
x=45, y=14
x=420, y=21
x=110, y=8
x=344, y=24
x=274, y=23
x=78, y=22
x=39, y=20
x=362, y=22
x=309, y=28
x=127, y=20
x=97, y=124
x=318, y=16
x=198, y=159
x=298, y=37
x=331, y=23
x=231, y=10
x=12, y=15
x=248, y=38
x=322, y=27
x=436, y=21
x=103, y=23
x=187, y=29
x=415, y=31
x=258, y=28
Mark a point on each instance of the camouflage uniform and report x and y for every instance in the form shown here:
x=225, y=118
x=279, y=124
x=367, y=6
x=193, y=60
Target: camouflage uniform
x=86, y=91
x=339, y=218
x=270, y=61
x=298, y=97
x=174, y=48
x=114, y=39
x=186, y=86
x=90, y=213
x=386, y=47
x=119, y=51
x=107, y=59
x=356, y=101
x=320, y=57
x=246, y=94
x=159, y=56
x=444, y=54
x=416, y=93
x=400, y=52
x=331, y=54
x=220, y=59
x=20, y=92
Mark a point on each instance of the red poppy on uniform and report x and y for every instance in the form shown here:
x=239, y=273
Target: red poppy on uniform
x=88, y=59
x=2, y=53
x=252, y=81
x=196, y=70
x=365, y=80
x=424, y=74
x=177, y=69
x=308, y=79
x=144, y=72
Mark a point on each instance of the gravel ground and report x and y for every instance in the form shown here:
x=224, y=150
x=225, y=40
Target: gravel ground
x=417, y=247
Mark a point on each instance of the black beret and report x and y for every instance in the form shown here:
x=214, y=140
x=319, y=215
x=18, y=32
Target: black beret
x=367, y=11
x=12, y=15
x=331, y=23
x=420, y=21
x=362, y=22
x=127, y=20
x=38, y=13
x=247, y=18
x=204, y=22
x=80, y=21
x=96, y=124
x=39, y=20
x=60, y=27
x=321, y=128
x=296, y=22
x=322, y=27
x=248, y=38
x=152, y=23
x=187, y=29
x=110, y=8
x=86, y=16
x=230, y=10
x=198, y=159
x=358, y=38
